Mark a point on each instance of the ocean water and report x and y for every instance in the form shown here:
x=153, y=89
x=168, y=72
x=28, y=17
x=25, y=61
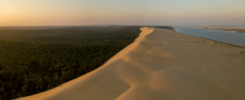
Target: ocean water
x=223, y=36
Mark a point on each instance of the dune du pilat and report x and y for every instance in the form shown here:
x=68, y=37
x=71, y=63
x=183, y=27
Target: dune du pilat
x=158, y=64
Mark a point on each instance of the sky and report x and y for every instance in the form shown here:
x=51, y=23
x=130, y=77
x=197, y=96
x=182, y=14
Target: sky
x=121, y=12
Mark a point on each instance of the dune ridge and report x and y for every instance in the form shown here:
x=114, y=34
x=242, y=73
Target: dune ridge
x=161, y=65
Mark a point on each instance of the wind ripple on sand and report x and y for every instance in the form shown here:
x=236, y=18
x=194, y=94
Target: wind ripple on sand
x=160, y=65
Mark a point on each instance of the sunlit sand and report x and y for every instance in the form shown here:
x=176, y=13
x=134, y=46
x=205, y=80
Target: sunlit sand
x=162, y=65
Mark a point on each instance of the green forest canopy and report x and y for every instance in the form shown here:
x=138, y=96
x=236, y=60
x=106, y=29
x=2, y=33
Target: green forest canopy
x=32, y=61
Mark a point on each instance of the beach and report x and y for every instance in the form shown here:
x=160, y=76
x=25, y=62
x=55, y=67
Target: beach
x=161, y=64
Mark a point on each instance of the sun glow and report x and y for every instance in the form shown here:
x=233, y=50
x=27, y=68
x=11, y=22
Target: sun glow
x=87, y=12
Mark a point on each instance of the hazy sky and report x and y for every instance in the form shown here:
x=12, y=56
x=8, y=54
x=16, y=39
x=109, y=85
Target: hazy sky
x=126, y=12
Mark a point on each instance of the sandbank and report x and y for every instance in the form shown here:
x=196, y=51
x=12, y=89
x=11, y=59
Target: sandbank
x=237, y=30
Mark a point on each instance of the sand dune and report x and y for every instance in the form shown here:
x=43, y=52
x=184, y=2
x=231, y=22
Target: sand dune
x=161, y=65
x=237, y=30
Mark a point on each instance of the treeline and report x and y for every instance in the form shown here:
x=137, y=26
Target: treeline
x=34, y=63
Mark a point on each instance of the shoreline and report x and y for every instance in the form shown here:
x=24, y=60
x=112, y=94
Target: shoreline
x=237, y=30
x=234, y=45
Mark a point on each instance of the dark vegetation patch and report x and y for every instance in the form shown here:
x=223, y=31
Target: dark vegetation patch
x=33, y=61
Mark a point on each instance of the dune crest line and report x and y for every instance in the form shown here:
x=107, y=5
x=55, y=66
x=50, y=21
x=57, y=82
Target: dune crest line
x=161, y=65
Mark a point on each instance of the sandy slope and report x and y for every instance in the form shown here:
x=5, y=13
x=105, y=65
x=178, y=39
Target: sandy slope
x=237, y=30
x=162, y=65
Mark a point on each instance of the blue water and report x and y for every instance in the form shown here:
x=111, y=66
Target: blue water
x=223, y=36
